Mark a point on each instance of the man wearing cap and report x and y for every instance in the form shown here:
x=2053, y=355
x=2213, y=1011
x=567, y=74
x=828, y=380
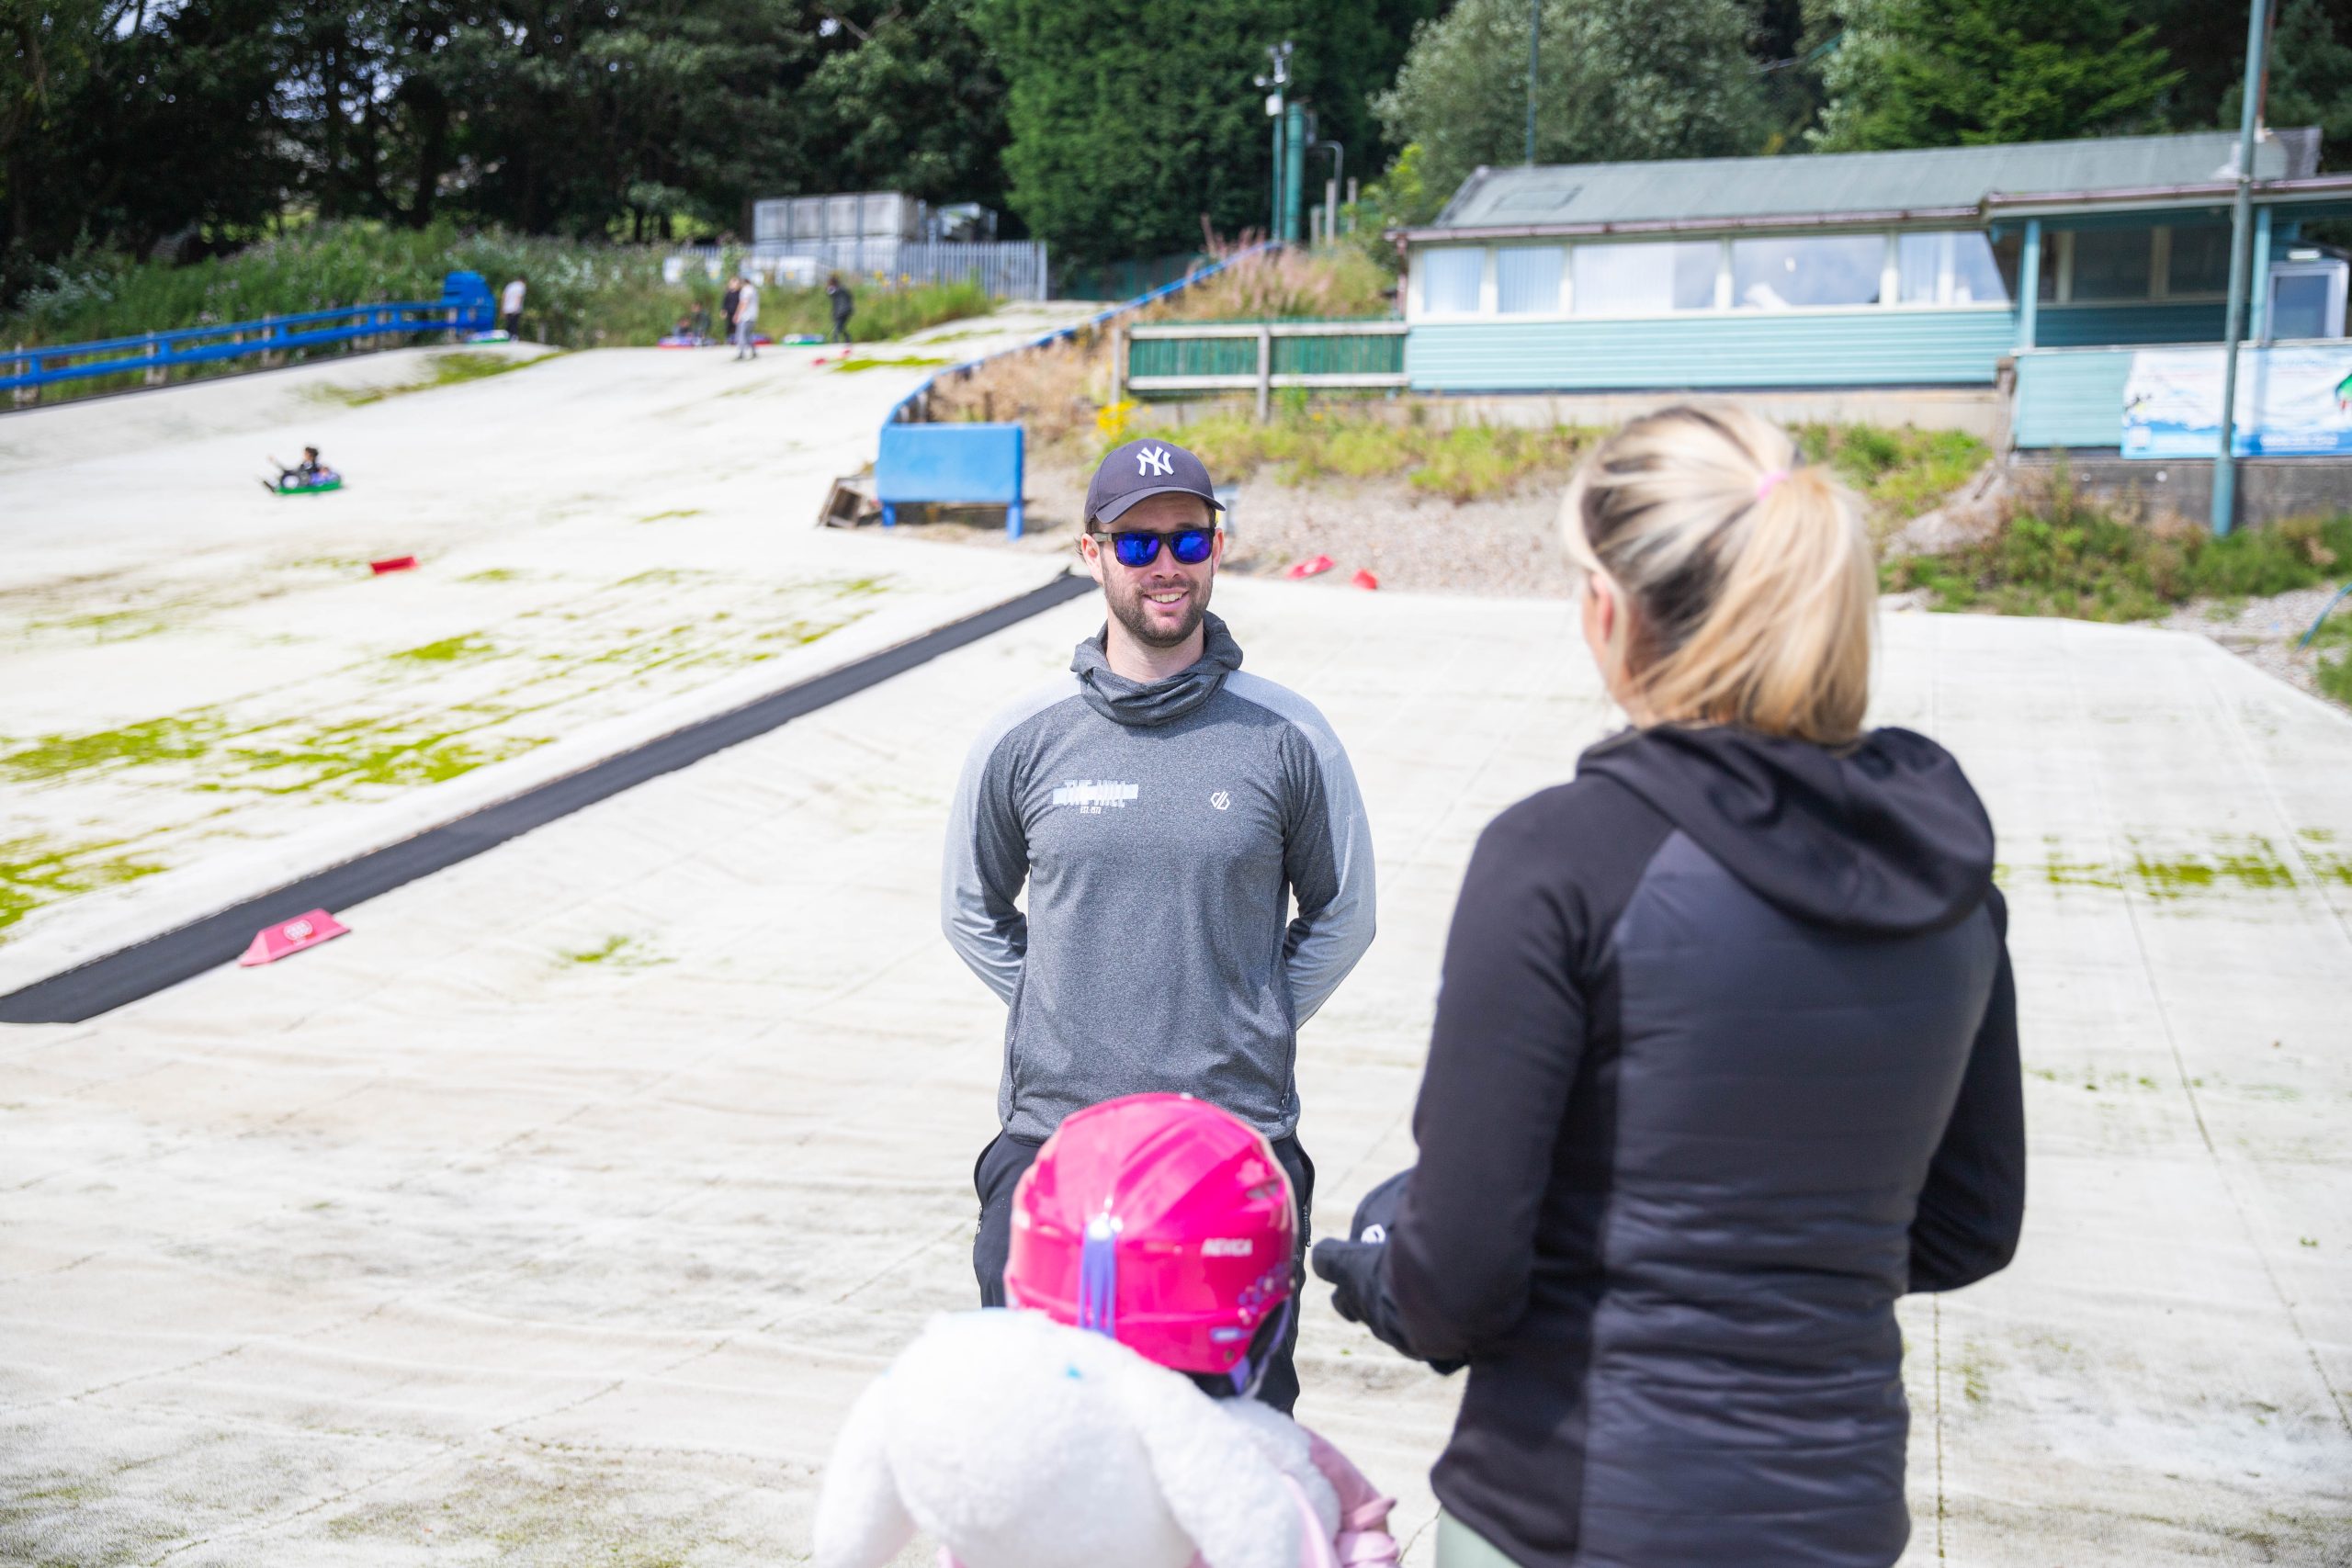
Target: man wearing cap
x=1164, y=811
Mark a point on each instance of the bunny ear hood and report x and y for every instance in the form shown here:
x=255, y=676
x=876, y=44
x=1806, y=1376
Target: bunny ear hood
x=861, y=1523
x=1223, y=1489
x=1017, y=1443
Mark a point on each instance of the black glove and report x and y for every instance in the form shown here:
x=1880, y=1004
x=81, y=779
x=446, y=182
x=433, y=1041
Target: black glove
x=1352, y=1267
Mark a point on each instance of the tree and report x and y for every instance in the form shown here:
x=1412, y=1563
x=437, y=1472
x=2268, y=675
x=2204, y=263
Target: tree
x=917, y=106
x=1620, y=79
x=1956, y=72
x=2310, y=77
x=1132, y=121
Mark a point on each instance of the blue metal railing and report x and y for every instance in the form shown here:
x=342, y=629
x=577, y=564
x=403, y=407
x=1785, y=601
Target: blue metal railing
x=464, y=306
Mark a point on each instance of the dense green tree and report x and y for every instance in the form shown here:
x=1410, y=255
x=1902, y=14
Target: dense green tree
x=1619, y=79
x=133, y=125
x=1134, y=122
x=918, y=105
x=1950, y=72
x=2311, y=76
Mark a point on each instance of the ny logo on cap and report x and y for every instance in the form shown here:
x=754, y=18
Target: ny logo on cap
x=1153, y=460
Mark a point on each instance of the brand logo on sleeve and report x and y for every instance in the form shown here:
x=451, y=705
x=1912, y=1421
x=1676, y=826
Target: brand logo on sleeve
x=1092, y=797
x=1221, y=800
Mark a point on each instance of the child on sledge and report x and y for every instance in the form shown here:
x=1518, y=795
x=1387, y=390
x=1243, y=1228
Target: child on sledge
x=304, y=475
x=1106, y=1418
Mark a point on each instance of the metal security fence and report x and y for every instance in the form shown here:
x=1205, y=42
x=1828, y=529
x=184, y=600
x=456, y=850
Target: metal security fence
x=1216, y=356
x=1007, y=270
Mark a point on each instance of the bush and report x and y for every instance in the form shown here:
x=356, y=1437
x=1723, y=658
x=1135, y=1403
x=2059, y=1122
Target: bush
x=2060, y=555
x=581, y=294
x=1326, y=285
x=1900, y=471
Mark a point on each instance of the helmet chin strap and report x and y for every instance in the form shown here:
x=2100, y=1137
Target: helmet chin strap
x=1250, y=1370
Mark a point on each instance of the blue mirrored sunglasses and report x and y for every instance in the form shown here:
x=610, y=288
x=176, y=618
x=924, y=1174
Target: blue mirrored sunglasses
x=1189, y=546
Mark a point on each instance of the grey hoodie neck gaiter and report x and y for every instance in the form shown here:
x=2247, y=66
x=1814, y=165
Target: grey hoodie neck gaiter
x=1172, y=697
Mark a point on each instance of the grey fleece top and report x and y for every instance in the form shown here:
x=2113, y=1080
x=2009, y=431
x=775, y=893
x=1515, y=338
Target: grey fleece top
x=1161, y=830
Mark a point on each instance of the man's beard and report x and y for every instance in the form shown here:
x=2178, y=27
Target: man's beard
x=1128, y=608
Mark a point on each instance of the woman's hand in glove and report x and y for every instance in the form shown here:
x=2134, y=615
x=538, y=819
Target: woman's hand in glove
x=1353, y=1269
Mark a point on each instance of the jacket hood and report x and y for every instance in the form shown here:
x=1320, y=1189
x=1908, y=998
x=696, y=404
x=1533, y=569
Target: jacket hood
x=1156, y=702
x=1884, y=837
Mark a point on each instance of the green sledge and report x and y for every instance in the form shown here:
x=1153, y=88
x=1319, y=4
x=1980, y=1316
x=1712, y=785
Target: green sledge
x=319, y=489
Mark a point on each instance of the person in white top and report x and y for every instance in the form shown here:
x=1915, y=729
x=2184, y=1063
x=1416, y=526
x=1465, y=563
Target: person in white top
x=747, y=320
x=510, y=306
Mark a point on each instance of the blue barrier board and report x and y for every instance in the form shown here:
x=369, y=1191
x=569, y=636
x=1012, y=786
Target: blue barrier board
x=958, y=464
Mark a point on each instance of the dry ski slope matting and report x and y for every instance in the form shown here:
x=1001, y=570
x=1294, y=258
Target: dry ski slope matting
x=557, y=1214
x=206, y=692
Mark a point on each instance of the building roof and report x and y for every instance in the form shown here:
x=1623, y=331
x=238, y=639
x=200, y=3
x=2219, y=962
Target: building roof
x=1926, y=183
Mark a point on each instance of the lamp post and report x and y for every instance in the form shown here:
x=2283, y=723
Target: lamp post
x=1273, y=84
x=2225, y=474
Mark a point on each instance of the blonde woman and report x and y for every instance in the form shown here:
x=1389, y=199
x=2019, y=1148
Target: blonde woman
x=1726, y=1058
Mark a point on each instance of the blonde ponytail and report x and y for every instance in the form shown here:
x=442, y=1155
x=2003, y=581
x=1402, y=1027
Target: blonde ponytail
x=1749, y=578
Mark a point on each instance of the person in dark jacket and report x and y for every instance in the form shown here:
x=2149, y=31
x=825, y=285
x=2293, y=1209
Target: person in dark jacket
x=845, y=306
x=1726, y=1059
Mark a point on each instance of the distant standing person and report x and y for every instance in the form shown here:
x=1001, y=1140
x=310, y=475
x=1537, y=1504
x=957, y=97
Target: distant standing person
x=509, y=307
x=845, y=305
x=747, y=320
x=727, y=303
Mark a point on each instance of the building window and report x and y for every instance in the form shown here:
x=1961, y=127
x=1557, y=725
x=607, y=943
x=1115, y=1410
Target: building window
x=1645, y=279
x=2112, y=264
x=1450, y=280
x=2200, y=261
x=1802, y=271
x=1950, y=269
x=1528, y=279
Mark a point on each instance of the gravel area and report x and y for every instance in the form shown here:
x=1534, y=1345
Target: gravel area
x=1506, y=547
x=2264, y=631
x=1408, y=540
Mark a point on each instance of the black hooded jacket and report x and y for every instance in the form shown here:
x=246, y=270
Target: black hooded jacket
x=1725, y=1060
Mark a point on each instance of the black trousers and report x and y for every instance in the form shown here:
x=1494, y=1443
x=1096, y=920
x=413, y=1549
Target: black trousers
x=998, y=1171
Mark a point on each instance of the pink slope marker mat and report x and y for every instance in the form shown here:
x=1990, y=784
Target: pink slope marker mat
x=274, y=943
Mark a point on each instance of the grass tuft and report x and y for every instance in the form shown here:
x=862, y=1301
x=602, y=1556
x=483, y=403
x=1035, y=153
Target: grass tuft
x=888, y=362
x=442, y=370
x=1900, y=471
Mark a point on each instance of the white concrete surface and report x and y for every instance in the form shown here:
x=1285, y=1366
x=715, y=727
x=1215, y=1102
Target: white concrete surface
x=449, y=1242
x=204, y=692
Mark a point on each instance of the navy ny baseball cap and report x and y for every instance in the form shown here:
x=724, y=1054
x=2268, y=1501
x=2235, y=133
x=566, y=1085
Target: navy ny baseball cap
x=1140, y=468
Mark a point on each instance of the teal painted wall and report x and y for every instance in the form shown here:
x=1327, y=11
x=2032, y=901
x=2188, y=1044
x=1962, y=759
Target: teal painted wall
x=2083, y=326
x=2071, y=400
x=1857, y=349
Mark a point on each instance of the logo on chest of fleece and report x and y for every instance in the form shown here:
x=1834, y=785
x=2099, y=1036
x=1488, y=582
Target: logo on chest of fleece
x=1092, y=797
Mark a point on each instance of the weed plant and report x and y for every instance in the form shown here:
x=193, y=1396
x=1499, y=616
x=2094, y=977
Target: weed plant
x=2059, y=555
x=1324, y=285
x=2334, y=644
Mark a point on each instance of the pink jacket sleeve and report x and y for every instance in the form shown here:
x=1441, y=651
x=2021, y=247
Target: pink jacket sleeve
x=1363, y=1541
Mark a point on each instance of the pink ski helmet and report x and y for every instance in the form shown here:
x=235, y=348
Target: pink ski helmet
x=1162, y=1222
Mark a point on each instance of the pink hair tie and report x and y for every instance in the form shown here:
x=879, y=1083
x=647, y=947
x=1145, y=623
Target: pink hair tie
x=1766, y=480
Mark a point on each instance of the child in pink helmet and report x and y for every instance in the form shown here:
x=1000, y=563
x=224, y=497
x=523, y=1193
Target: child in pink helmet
x=1110, y=1421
